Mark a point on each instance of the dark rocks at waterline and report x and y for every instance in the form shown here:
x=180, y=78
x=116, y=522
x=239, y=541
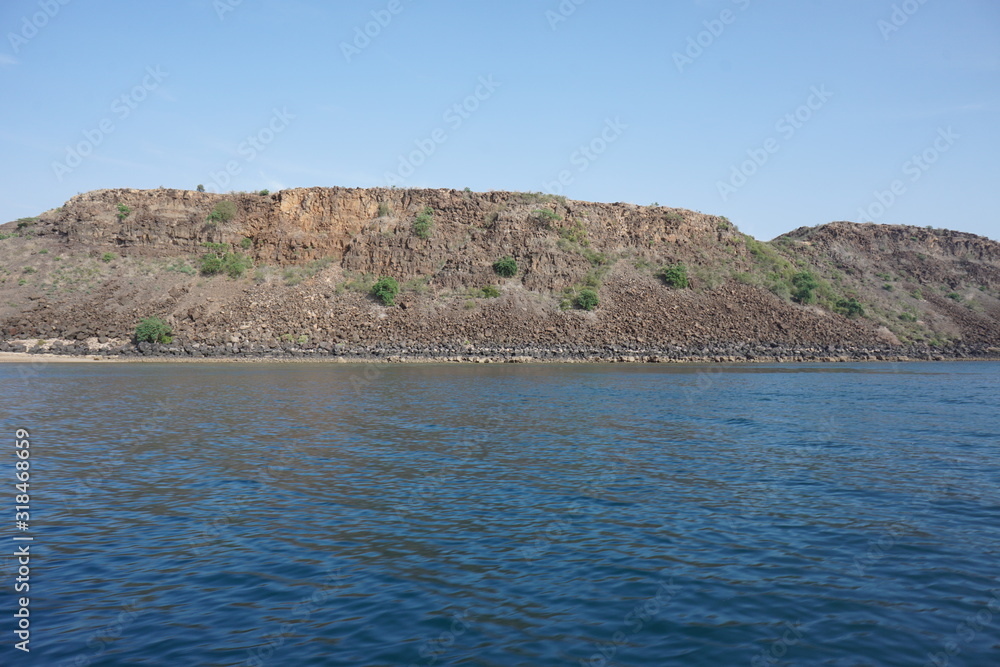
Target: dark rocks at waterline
x=723, y=353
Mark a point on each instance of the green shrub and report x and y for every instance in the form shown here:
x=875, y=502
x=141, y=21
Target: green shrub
x=491, y=292
x=201, y=188
x=235, y=264
x=108, y=257
x=153, y=330
x=224, y=211
x=954, y=295
x=423, y=222
x=386, y=289
x=587, y=299
x=211, y=264
x=43, y=251
x=849, y=307
x=804, y=284
x=25, y=222
x=907, y=317
x=675, y=276
x=246, y=243
x=505, y=267
x=123, y=212
x=384, y=210
x=264, y=193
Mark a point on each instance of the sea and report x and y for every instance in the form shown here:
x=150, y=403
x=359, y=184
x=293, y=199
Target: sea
x=500, y=515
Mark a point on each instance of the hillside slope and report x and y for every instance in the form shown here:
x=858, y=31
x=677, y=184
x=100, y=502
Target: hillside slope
x=80, y=278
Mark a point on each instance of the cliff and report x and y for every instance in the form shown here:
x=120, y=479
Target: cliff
x=90, y=270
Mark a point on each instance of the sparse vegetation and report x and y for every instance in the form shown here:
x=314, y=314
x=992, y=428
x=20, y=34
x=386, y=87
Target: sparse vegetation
x=546, y=215
x=954, y=296
x=293, y=275
x=246, y=243
x=423, y=223
x=153, y=330
x=675, y=276
x=123, y=212
x=383, y=210
x=386, y=289
x=357, y=283
x=23, y=223
x=265, y=192
x=490, y=292
x=233, y=264
x=108, y=257
x=201, y=188
x=180, y=266
x=505, y=267
x=224, y=211
x=574, y=233
x=539, y=198
x=596, y=258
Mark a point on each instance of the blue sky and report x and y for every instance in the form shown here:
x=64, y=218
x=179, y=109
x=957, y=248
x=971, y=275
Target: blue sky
x=776, y=114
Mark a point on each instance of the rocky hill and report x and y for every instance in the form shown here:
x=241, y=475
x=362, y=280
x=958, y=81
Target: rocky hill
x=290, y=273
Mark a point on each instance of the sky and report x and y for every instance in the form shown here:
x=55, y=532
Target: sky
x=776, y=114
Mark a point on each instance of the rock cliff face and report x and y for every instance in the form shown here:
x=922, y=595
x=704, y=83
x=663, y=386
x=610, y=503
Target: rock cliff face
x=91, y=269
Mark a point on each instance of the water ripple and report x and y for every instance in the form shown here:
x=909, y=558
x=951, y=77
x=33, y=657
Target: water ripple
x=532, y=515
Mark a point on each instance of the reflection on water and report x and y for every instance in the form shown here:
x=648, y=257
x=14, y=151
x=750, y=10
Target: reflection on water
x=510, y=515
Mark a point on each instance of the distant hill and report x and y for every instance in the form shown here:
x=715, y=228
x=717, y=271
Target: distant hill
x=295, y=270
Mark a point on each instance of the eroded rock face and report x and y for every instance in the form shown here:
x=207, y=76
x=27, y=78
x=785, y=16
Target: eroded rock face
x=339, y=237
x=370, y=229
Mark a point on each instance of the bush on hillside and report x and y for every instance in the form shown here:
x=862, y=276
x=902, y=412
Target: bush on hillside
x=506, y=267
x=587, y=299
x=153, y=330
x=386, y=289
x=675, y=276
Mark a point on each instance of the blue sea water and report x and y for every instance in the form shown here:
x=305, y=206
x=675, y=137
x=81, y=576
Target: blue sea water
x=335, y=514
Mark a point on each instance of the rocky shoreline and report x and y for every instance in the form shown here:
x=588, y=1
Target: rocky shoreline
x=721, y=353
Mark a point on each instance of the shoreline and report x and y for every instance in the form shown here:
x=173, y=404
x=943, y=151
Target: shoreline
x=609, y=354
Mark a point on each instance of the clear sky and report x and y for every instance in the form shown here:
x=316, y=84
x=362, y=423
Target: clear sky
x=776, y=114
